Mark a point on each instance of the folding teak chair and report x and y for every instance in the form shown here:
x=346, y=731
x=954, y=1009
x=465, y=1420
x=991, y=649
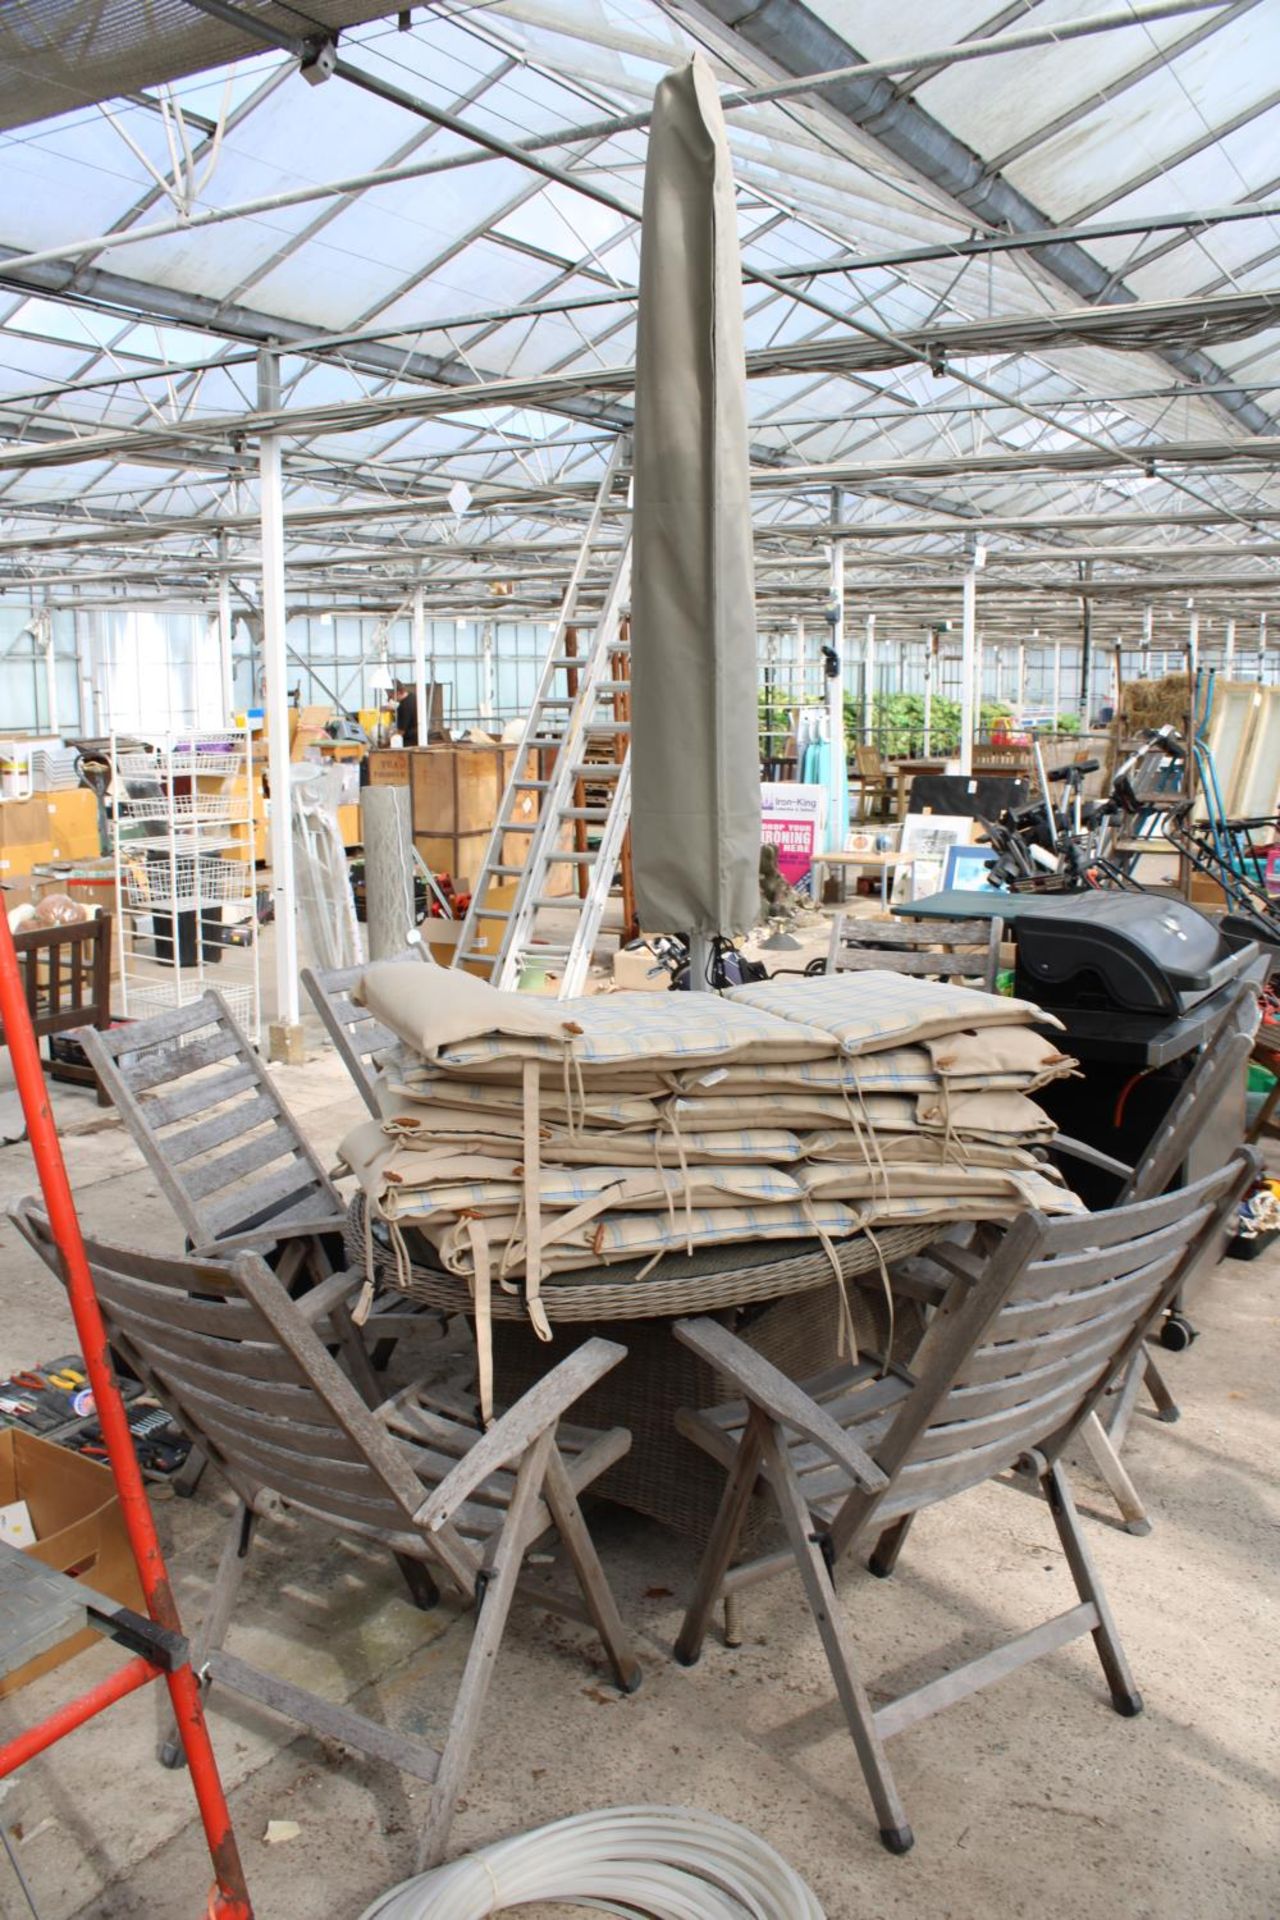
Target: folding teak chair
x=213, y=1128
x=358, y=1037
x=964, y=951
x=237, y=1168
x=234, y=1360
x=1012, y=1362
x=1221, y=1063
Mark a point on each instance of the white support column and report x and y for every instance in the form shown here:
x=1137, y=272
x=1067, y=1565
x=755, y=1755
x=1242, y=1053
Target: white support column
x=44, y=628
x=285, y=1033
x=1148, y=635
x=1022, y=677
x=1262, y=649
x=868, y=680
x=1193, y=635
x=968, y=666
x=420, y=664
x=836, y=783
x=84, y=671
x=225, y=630
x=930, y=669
x=486, y=671
x=1229, y=651
x=1057, y=682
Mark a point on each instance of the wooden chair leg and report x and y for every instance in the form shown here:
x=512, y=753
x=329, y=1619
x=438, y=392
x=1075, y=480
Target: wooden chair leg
x=212, y=1630
x=423, y=1590
x=1102, y=1452
x=884, y=1557
x=1118, y=1407
x=1167, y=1408
x=722, y=1543
x=190, y=1473
x=596, y=1591
x=836, y=1643
x=492, y=1607
x=1125, y=1697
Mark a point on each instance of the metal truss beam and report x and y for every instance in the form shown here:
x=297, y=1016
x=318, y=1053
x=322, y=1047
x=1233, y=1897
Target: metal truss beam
x=798, y=42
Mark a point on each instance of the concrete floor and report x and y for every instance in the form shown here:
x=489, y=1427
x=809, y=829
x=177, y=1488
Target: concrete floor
x=1032, y=1798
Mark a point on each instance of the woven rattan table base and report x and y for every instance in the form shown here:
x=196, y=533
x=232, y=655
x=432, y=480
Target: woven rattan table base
x=706, y=1282
x=781, y=1301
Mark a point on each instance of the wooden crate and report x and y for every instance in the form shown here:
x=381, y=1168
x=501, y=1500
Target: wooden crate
x=460, y=855
x=389, y=767
x=458, y=789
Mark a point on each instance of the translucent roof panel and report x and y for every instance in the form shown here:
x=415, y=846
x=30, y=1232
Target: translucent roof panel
x=450, y=308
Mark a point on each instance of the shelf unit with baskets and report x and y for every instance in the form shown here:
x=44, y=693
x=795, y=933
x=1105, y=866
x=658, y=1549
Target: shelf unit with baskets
x=183, y=813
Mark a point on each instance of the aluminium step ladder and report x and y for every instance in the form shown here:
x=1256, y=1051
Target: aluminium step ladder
x=574, y=764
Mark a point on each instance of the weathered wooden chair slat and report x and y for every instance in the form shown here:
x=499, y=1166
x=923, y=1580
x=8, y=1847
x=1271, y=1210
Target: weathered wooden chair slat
x=234, y=1360
x=1017, y=1355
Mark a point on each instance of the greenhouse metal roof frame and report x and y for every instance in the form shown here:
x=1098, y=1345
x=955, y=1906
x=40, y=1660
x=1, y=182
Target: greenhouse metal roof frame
x=1016, y=284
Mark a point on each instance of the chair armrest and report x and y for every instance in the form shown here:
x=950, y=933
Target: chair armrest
x=911, y=1278
x=320, y=1300
x=959, y=1261
x=1092, y=1156
x=268, y=1235
x=516, y=1430
x=769, y=1389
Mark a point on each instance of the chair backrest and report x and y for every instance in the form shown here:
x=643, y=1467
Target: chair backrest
x=1015, y=1360
x=230, y=1357
x=355, y=1033
x=868, y=762
x=211, y=1124
x=1220, y=1064
x=915, y=947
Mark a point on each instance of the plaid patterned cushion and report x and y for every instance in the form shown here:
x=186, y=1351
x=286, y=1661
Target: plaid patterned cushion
x=865, y=1012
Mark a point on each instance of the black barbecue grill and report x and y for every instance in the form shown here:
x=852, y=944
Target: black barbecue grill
x=1138, y=981
x=1085, y=953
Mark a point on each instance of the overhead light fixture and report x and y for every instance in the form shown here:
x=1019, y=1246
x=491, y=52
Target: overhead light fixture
x=380, y=678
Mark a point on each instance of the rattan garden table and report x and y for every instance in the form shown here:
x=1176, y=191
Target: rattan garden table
x=779, y=1296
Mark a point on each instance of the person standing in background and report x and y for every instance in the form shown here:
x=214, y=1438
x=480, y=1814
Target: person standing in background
x=406, y=721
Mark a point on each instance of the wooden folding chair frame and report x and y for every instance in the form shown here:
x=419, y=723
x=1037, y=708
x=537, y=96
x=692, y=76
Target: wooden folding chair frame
x=287, y=1215
x=869, y=1492
x=1222, y=1059
x=257, y=1415
x=911, y=947
x=354, y=1031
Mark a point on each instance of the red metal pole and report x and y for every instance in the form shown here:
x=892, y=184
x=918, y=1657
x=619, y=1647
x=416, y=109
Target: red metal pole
x=230, y=1900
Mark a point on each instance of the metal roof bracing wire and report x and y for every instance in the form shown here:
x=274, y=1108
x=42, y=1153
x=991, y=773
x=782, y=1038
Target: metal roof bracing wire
x=1020, y=284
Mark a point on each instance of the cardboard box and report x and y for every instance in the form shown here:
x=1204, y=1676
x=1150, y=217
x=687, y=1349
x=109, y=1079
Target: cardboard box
x=306, y=726
x=79, y=1531
x=74, y=824
x=489, y=931
x=639, y=972
x=18, y=862
x=349, y=825
x=24, y=823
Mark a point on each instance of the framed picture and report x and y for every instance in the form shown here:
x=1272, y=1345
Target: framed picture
x=966, y=868
x=928, y=838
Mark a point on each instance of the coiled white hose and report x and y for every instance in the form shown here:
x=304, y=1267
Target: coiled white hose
x=662, y=1863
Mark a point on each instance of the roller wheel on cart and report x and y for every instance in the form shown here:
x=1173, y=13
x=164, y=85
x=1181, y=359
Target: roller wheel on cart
x=1177, y=1333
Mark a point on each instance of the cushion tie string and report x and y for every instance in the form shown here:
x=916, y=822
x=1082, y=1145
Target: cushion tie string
x=847, y=1338
x=533, y=1202
x=482, y=1300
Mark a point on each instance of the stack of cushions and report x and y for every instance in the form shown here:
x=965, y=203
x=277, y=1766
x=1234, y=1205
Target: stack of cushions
x=523, y=1136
